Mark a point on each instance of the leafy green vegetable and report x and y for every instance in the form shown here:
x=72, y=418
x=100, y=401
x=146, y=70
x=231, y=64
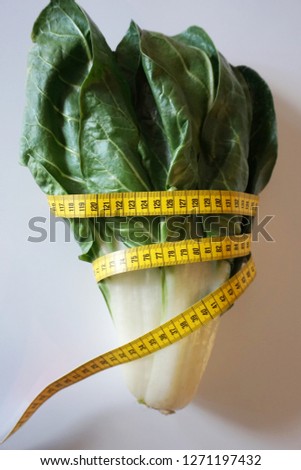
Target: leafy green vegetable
x=159, y=113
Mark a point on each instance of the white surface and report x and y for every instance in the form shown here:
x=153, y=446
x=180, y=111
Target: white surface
x=52, y=315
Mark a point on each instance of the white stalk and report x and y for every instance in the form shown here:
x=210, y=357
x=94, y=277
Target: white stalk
x=140, y=301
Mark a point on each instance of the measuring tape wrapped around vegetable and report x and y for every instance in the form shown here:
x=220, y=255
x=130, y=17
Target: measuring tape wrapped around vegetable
x=159, y=148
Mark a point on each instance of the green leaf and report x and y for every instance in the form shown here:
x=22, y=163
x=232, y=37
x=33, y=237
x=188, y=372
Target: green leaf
x=153, y=145
x=181, y=81
x=194, y=36
x=80, y=134
x=225, y=135
x=263, y=137
x=58, y=63
x=109, y=135
x=73, y=81
x=128, y=56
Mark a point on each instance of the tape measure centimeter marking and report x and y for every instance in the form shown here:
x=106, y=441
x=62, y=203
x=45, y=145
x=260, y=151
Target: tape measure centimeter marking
x=205, y=310
x=171, y=254
x=153, y=203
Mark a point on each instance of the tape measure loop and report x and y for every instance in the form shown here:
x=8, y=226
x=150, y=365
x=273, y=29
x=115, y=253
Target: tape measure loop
x=153, y=203
x=171, y=253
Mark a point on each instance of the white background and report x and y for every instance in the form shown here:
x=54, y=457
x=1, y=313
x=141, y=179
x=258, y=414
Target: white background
x=52, y=316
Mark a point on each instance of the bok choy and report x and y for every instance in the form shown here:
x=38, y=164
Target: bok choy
x=159, y=113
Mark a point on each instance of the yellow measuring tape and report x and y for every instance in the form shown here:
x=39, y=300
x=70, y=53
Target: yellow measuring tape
x=161, y=254
x=170, y=254
x=153, y=203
